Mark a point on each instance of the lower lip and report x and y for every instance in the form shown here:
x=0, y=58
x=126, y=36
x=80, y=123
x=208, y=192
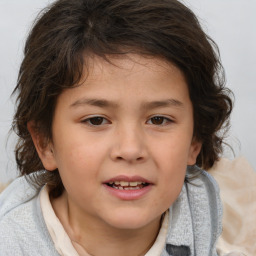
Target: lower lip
x=128, y=194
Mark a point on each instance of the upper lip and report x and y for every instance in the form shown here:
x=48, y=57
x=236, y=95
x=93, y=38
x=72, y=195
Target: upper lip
x=128, y=179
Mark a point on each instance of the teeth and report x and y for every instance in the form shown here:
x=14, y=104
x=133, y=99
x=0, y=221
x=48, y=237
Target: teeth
x=135, y=183
x=124, y=183
x=126, y=188
x=127, y=183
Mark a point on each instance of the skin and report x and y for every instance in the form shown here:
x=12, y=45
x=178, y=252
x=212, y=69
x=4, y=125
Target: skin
x=145, y=128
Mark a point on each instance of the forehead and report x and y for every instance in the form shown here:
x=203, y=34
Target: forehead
x=129, y=78
x=128, y=65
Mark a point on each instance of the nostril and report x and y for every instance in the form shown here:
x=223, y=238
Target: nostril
x=128, y=153
x=139, y=159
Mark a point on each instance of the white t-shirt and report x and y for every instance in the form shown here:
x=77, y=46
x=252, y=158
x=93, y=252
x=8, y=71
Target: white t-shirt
x=66, y=247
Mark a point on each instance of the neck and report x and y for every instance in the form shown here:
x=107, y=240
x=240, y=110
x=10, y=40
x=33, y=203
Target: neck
x=98, y=238
x=119, y=242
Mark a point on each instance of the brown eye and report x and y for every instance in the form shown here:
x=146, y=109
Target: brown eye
x=157, y=120
x=95, y=121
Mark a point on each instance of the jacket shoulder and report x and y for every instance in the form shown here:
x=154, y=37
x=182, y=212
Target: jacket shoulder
x=22, y=227
x=206, y=211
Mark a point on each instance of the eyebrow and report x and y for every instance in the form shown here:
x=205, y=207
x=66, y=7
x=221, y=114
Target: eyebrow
x=94, y=102
x=102, y=103
x=163, y=103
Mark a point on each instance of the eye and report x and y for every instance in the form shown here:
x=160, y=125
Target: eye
x=159, y=120
x=95, y=121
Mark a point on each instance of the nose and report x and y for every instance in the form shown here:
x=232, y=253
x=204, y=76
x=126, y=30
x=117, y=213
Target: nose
x=129, y=145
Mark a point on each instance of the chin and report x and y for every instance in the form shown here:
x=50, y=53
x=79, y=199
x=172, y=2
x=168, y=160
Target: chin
x=131, y=221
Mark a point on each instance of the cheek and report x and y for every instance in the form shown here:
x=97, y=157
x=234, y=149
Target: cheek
x=172, y=151
x=77, y=157
x=79, y=161
x=77, y=165
x=172, y=164
x=170, y=187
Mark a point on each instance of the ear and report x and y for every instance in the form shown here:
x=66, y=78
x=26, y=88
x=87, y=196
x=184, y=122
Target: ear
x=43, y=147
x=194, y=151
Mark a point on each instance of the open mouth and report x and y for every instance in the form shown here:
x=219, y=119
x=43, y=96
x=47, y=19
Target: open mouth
x=126, y=185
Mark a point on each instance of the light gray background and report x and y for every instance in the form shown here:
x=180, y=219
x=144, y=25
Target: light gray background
x=231, y=23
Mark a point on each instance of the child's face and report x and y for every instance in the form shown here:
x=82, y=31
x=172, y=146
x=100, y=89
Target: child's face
x=128, y=122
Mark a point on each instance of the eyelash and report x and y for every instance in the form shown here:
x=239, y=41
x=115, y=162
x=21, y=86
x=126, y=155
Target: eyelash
x=164, y=120
x=94, y=118
x=102, y=121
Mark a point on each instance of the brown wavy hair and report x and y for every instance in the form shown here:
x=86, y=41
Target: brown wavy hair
x=67, y=32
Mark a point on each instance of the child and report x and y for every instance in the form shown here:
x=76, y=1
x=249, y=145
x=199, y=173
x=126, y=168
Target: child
x=119, y=104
